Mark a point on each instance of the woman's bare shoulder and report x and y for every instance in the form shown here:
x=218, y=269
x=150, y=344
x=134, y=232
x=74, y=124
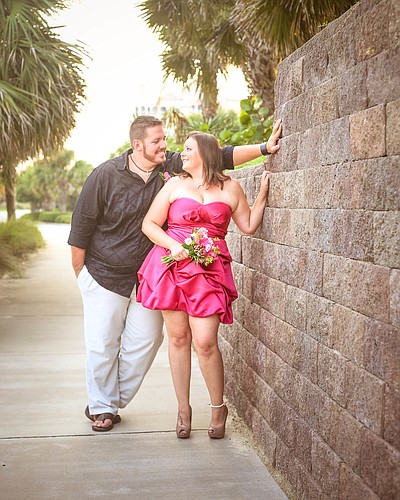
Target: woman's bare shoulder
x=233, y=186
x=172, y=182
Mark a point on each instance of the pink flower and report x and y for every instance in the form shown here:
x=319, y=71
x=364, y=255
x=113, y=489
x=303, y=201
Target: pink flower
x=165, y=176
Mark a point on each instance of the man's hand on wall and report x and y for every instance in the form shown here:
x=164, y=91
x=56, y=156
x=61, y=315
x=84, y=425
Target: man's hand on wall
x=272, y=146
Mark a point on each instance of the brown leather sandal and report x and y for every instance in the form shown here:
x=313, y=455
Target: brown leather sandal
x=115, y=419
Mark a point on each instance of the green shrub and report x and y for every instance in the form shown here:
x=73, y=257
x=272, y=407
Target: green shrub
x=30, y=216
x=49, y=215
x=18, y=238
x=223, y=120
x=252, y=126
x=64, y=218
x=256, y=124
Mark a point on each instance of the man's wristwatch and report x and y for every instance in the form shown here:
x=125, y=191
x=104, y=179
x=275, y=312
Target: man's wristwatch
x=264, y=150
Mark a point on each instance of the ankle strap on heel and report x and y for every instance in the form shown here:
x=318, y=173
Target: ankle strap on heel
x=217, y=406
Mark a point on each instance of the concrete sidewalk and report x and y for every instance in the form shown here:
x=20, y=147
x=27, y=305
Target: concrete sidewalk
x=47, y=447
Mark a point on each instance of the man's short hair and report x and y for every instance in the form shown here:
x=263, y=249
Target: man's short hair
x=139, y=126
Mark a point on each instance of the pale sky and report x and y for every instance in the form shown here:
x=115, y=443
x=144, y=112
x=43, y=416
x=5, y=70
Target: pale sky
x=125, y=71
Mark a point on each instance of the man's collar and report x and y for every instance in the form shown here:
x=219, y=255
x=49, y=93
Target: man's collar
x=124, y=164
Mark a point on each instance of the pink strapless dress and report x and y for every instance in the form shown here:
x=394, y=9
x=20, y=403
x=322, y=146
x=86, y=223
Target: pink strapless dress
x=186, y=286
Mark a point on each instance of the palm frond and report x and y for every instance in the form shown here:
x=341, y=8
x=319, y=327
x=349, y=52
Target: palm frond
x=286, y=24
x=41, y=86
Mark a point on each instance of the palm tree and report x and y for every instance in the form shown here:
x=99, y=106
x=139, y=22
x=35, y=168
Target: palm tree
x=187, y=28
x=176, y=124
x=41, y=87
x=256, y=59
x=203, y=37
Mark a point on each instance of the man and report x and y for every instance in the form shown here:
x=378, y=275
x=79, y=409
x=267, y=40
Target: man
x=108, y=247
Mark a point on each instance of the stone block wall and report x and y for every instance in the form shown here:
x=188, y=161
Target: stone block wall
x=313, y=357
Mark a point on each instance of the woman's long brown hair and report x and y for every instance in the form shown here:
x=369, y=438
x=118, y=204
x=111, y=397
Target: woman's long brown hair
x=210, y=152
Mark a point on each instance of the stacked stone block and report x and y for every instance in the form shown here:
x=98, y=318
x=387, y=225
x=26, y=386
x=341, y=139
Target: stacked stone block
x=313, y=357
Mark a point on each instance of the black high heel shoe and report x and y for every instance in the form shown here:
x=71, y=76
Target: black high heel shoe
x=183, y=430
x=218, y=432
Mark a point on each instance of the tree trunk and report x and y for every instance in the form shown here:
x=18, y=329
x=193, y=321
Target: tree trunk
x=10, y=202
x=62, y=201
x=260, y=72
x=209, y=109
x=209, y=96
x=9, y=178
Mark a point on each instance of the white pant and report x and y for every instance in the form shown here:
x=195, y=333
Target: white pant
x=122, y=339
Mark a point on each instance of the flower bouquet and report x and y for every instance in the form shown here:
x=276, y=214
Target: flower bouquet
x=200, y=247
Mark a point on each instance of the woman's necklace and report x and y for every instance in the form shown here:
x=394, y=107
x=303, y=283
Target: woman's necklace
x=147, y=172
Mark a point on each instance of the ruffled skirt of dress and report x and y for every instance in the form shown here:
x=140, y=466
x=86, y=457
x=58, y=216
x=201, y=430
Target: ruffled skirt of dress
x=186, y=286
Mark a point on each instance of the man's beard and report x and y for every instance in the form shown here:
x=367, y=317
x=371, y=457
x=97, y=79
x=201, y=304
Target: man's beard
x=151, y=158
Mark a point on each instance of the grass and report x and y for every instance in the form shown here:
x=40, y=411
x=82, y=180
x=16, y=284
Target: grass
x=251, y=163
x=18, y=239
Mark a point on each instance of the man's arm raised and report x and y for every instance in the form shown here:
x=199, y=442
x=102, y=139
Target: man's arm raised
x=242, y=154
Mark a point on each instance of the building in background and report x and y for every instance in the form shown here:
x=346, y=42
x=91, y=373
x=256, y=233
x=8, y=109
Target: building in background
x=172, y=95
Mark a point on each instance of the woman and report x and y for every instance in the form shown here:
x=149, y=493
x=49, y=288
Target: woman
x=195, y=298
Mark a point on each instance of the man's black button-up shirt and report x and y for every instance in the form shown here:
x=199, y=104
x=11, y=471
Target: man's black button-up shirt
x=108, y=216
